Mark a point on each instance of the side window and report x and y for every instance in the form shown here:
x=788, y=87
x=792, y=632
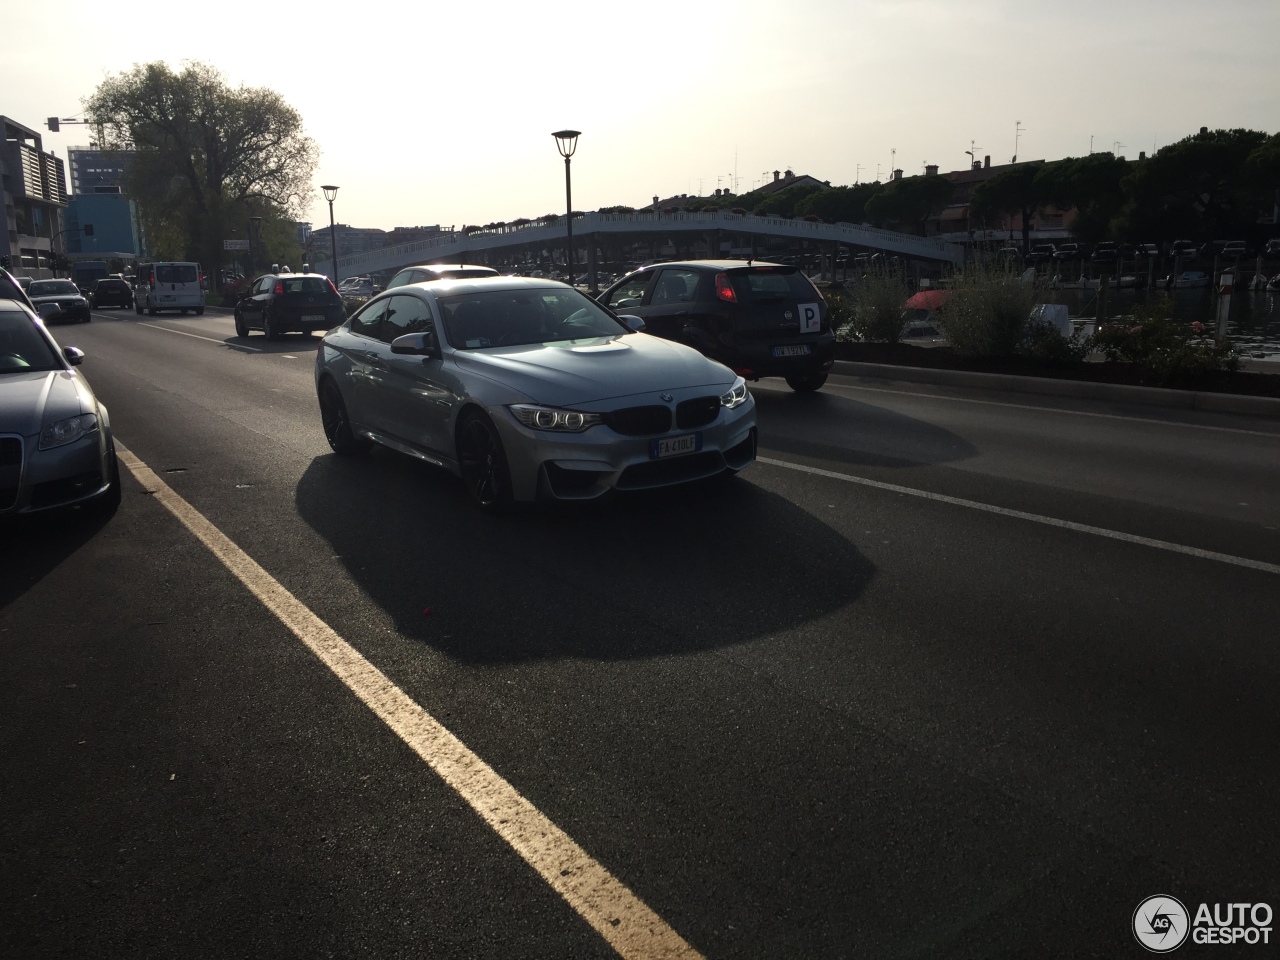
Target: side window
x=631, y=293
x=405, y=315
x=401, y=278
x=674, y=286
x=264, y=285
x=368, y=320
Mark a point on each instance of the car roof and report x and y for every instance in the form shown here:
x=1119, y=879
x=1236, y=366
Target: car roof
x=464, y=285
x=715, y=264
x=448, y=266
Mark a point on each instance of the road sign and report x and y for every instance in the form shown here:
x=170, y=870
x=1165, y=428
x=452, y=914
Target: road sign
x=235, y=244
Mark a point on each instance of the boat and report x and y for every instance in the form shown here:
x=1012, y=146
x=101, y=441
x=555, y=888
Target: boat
x=1190, y=279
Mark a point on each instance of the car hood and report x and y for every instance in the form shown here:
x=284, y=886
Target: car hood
x=31, y=401
x=583, y=371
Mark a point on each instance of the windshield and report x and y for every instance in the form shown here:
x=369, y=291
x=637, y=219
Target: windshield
x=176, y=273
x=53, y=288
x=22, y=348
x=501, y=318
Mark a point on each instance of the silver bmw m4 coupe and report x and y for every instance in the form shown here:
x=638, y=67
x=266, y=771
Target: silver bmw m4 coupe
x=529, y=390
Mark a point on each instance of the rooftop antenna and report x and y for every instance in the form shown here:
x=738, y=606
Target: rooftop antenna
x=1018, y=129
x=877, y=173
x=1091, y=144
x=857, y=174
x=893, y=160
x=1116, y=147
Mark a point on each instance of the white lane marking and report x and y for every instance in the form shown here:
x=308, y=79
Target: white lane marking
x=1033, y=517
x=612, y=910
x=1028, y=406
x=183, y=333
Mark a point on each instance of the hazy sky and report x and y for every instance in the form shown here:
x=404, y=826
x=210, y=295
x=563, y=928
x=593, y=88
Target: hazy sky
x=434, y=112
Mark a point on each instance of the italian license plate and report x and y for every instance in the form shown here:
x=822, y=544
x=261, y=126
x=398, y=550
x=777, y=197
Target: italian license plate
x=313, y=318
x=793, y=350
x=164, y=299
x=674, y=446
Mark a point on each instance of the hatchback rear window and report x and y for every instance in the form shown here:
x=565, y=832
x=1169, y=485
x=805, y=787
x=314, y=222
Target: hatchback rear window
x=305, y=285
x=176, y=273
x=763, y=284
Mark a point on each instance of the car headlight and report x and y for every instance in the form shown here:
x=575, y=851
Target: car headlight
x=68, y=430
x=552, y=418
x=736, y=395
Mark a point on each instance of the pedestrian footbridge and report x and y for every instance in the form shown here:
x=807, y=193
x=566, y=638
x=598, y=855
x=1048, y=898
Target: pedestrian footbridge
x=508, y=241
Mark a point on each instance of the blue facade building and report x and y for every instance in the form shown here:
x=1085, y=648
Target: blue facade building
x=102, y=226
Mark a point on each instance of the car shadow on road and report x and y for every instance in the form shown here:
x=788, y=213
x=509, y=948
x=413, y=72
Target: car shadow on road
x=32, y=546
x=684, y=569
x=852, y=431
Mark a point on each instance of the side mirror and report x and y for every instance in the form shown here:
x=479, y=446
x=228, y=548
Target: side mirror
x=416, y=344
x=74, y=355
x=635, y=323
x=49, y=310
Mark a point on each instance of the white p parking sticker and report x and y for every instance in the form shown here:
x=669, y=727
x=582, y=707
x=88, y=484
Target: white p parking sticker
x=810, y=317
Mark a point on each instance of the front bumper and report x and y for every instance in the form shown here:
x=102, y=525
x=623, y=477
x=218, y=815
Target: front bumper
x=583, y=466
x=32, y=479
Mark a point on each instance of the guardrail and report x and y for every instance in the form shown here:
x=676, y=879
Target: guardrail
x=457, y=245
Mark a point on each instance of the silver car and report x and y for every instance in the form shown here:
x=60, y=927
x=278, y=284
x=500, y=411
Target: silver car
x=55, y=437
x=529, y=390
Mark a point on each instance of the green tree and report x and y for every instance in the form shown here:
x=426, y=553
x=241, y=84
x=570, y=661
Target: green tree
x=1009, y=194
x=840, y=204
x=1093, y=185
x=206, y=155
x=1197, y=188
x=784, y=203
x=909, y=202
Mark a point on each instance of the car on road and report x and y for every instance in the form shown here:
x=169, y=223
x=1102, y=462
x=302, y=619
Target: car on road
x=56, y=448
x=169, y=285
x=11, y=288
x=279, y=303
x=528, y=389
x=111, y=292
x=23, y=282
x=759, y=319
x=59, y=300
x=425, y=272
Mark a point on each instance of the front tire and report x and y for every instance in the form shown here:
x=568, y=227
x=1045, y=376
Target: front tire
x=484, y=464
x=337, y=425
x=806, y=382
x=199, y=311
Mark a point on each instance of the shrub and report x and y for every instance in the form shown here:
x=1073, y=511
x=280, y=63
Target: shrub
x=986, y=312
x=1044, y=343
x=875, y=307
x=1173, y=352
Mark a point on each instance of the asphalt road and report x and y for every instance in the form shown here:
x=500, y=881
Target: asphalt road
x=946, y=674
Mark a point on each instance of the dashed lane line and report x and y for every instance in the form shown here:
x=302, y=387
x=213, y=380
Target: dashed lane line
x=1033, y=517
x=612, y=910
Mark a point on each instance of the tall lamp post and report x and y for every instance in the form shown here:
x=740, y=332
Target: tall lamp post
x=566, y=143
x=330, y=192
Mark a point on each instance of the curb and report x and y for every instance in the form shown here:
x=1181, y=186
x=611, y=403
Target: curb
x=1082, y=389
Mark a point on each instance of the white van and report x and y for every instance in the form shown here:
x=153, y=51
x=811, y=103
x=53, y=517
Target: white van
x=169, y=286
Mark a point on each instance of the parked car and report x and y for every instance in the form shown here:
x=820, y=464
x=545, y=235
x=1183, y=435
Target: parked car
x=59, y=300
x=1067, y=252
x=1105, y=253
x=1183, y=249
x=1041, y=253
x=1235, y=250
x=111, y=292
x=759, y=319
x=357, y=287
x=528, y=389
x=279, y=303
x=56, y=448
x=1272, y=249
x=425, y=272
x=1147, y=251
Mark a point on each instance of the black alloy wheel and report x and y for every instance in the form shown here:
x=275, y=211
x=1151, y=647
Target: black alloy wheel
x=337, y=426
x=484, y=464
x=806, y=382
x=242, y=329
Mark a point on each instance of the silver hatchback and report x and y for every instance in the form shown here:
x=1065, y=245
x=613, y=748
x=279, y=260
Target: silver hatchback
x=529, y=390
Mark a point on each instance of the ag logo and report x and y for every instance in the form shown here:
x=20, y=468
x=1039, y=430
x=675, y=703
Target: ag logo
x=1161, y=924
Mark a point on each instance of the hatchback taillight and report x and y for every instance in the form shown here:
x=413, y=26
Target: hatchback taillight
x=724, y=289
x=279, y=291
x=334, y=289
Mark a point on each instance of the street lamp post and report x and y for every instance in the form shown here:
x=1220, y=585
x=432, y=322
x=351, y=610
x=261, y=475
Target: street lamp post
x=566, y=143
x=330, y=192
